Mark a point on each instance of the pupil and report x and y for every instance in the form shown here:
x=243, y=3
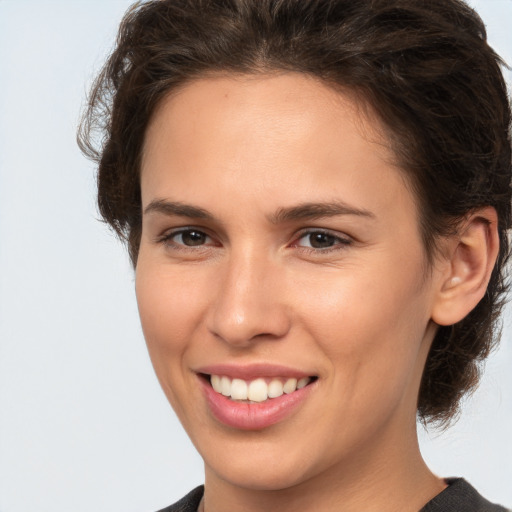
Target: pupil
x=321, y=240
x=193, y=238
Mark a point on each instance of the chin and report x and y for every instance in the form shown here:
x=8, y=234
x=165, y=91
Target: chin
x=262, y=462
x=270, y=477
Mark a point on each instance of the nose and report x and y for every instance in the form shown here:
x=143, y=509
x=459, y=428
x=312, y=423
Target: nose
x=249, y=303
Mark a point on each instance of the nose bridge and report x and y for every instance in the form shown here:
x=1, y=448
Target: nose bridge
x=249, y=301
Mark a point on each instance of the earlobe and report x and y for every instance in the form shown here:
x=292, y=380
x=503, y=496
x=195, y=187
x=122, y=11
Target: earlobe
x=471, y=257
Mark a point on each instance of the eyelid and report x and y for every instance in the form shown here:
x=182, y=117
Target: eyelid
x=342, y=239
x=167, y=236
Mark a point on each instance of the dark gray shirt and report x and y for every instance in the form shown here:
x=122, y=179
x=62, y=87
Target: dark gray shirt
x=459, y=496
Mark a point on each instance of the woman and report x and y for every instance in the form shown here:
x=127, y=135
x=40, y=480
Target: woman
x=315, y=196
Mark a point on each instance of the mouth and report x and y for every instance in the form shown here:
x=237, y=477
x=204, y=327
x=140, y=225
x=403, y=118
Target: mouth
x=249, y=400
x=256, y=390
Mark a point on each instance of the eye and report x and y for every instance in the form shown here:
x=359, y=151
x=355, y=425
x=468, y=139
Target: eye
x=189, y=237
x=321, y=240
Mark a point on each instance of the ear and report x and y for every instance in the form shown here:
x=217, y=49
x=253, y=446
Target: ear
x=470, y=258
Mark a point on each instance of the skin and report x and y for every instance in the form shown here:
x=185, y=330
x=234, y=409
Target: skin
x=358, y=313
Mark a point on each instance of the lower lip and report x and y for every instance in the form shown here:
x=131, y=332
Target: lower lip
x=253, y=416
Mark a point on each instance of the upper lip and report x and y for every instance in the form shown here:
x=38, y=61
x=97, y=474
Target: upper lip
x=252, y=371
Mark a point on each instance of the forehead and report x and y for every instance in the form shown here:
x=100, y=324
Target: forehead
x=283, y=132
x=288, y=98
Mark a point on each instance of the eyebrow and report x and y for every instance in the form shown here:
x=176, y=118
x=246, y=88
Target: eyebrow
x=171, y=208
x=305, y=211
x=311, y=211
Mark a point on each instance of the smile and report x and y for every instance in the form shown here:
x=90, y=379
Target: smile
x=254, y=398
x=257, y=390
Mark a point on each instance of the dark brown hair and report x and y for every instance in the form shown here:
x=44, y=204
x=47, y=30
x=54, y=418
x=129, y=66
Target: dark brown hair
x=423, y=66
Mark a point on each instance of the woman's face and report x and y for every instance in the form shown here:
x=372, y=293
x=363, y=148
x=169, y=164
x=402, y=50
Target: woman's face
x=281, y=245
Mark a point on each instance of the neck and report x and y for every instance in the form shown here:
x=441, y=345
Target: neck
x=395, y=480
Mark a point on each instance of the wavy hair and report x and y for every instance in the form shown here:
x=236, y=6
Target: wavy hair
x=423, y=66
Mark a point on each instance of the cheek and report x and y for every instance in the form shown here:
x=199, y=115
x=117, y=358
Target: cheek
x=353, y=304
x=370, y=326
x=170, y=306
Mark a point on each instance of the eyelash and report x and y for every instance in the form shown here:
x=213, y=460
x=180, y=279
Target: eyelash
x=339, y=242
x=167, y=239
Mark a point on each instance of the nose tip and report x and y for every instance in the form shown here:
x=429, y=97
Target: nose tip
x=249, y=307
x=242, y=328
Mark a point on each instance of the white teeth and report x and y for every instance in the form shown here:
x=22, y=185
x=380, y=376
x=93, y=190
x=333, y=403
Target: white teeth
x=302, y=383
x=215, y=380
x=256, y=390
x=290, y=386
x=225, y=386
x=275, y=388
x=239, y=390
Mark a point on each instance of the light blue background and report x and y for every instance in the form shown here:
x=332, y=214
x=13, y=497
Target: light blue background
x=83, y=423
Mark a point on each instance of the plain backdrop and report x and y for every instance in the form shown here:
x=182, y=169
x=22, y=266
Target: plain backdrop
x=83, y=423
